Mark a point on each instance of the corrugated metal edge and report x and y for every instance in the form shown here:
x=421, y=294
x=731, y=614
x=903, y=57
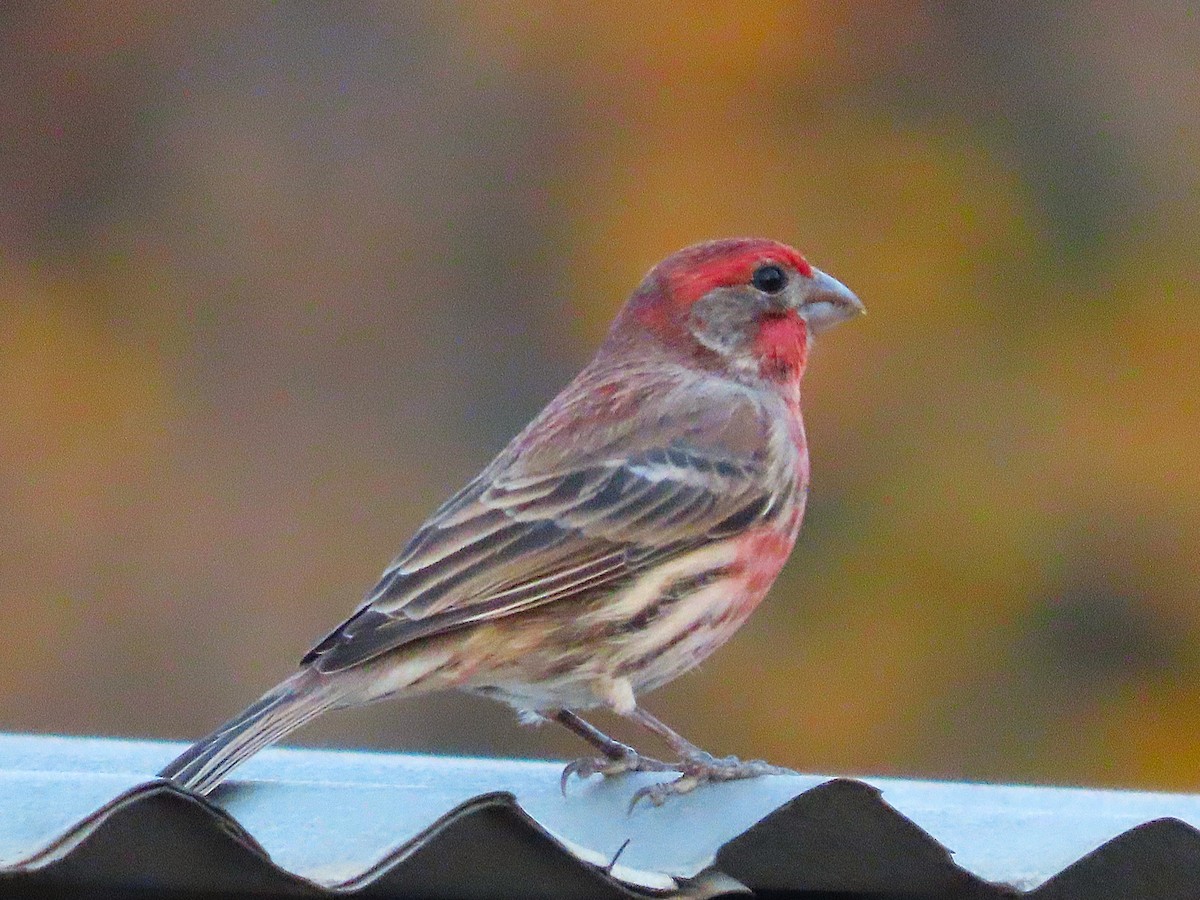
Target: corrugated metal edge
x=839, y=837
x=843, y=838
x=494, y=838
x=1160, y=859
x=159, y=838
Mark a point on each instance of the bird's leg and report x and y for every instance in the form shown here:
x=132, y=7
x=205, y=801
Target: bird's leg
x=697, y=766
x=618, y=758
x=611, y=748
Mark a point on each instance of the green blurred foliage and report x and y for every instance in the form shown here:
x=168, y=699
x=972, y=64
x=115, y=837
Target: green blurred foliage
x=276, y=279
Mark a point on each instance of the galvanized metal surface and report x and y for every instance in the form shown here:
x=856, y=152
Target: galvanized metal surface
x=299, y=822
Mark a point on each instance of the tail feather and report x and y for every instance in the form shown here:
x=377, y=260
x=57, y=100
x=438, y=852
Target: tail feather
x=281, y=710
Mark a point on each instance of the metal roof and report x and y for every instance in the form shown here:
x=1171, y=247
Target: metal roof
x=77, y=811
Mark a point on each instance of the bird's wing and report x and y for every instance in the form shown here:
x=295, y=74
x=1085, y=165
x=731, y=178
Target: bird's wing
x=578, y=503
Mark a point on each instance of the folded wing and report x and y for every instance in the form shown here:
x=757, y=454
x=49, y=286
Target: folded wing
x=532, y=530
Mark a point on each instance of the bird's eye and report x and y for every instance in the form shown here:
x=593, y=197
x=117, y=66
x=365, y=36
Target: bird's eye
x=769, y=279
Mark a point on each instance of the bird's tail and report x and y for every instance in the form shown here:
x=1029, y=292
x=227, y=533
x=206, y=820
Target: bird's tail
x=284, y=708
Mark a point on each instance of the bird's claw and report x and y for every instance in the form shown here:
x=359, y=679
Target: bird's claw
x=608, y=766
x=703, y=769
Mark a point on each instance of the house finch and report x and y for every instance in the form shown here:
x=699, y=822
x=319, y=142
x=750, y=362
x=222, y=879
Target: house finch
x=618, y=540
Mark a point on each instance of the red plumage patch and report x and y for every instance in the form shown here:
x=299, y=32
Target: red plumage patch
x=666, y=296
x=781, y=345
x=692, y=273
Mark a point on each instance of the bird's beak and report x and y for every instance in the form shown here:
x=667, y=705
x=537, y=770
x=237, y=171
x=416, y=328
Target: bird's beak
x=826, y=302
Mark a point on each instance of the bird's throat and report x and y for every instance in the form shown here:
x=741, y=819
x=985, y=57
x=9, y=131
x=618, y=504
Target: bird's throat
x=781, y=346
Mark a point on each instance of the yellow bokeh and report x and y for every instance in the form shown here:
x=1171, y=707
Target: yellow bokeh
x=274, y=285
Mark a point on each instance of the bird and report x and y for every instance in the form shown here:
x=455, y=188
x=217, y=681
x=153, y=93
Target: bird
x=624, y=535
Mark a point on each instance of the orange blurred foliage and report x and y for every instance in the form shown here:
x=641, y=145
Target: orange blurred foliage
x=274, y=282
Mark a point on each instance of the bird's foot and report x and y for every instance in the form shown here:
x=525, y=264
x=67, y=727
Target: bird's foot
x=702, y=768
x=629, y=760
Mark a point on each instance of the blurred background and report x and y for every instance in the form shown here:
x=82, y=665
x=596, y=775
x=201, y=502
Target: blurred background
x=276, y=279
